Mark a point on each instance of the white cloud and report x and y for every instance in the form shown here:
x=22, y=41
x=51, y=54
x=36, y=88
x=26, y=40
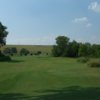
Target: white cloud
x=94, y=6
x=81, y=19
x=88, y=25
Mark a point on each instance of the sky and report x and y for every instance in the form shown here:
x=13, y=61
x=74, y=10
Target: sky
x=39, y=22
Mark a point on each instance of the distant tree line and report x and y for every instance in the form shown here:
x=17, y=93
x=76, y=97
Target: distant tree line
x=65, y=48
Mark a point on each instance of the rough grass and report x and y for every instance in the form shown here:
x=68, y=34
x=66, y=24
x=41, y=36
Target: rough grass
x=48, y=78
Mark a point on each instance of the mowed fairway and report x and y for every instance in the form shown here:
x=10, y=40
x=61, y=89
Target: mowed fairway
x=48, y=78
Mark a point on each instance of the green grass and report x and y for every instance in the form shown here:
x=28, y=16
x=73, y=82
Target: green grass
x=48, y=78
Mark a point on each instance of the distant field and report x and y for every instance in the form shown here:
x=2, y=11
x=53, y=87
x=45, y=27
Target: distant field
x=48, y=78
x=32, y=48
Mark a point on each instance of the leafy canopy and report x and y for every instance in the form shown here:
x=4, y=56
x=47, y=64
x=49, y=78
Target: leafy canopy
x=3, y=34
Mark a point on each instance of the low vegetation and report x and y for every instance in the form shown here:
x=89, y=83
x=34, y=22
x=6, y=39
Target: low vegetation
x=24, y=52
x=83, y=59
x=10, y=51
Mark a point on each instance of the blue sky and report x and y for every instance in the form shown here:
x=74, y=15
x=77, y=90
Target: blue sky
x=39, y=22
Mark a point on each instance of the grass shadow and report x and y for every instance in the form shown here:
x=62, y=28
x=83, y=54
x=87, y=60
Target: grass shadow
x=16, y=61
x=12, y=61
x=14, y=96
x=70, y=93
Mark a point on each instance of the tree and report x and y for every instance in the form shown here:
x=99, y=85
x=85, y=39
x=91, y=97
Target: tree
x=24, y=51
x=3, y=34
x=55, y=51
x=10, y=51
x=73, y=49
x=96, y=50
x=13, y=50
x=62, y=41
x=7, y=51
x=60, y=49
x=85, y=49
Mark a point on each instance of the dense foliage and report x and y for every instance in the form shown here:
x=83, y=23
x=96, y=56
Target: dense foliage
x=10, y=51
x=65, y=48
x=24, y=51
x=3, y=34
x=61, y=48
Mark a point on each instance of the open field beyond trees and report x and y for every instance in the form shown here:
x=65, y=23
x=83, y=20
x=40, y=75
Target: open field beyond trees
x=31, y=48
x=48, y=78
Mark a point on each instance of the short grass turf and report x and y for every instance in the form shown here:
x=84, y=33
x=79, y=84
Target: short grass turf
x=48, y=78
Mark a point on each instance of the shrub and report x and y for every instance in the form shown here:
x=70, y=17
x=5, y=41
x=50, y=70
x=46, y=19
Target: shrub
x=94, y=63
x=13, y=50
x=11, y=54
x=10, y=51
x=47, y=53
x=83, y=60
x=38, y=53
x=31, y=54
x=7, y=51
x=24, y=52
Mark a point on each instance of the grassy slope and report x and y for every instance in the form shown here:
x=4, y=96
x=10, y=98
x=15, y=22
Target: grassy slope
x=32, y=48
x=47, y=78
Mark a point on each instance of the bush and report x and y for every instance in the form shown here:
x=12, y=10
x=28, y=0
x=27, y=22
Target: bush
x=83, y=60
x=24, y=52
x=95, y=63
x=38, y=53
x=10, y=51
x=13, y=50
x=11, y=54
x=31, y=54
x=7, y=51
x=47, y=53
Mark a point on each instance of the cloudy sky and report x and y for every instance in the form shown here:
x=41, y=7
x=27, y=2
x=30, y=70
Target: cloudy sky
x=40, y=21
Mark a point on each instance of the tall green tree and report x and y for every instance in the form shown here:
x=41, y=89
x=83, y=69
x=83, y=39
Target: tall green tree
x=3, y=35
x=85, y=49
x=60, y=49
x=73, y=49
x=96, y=50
